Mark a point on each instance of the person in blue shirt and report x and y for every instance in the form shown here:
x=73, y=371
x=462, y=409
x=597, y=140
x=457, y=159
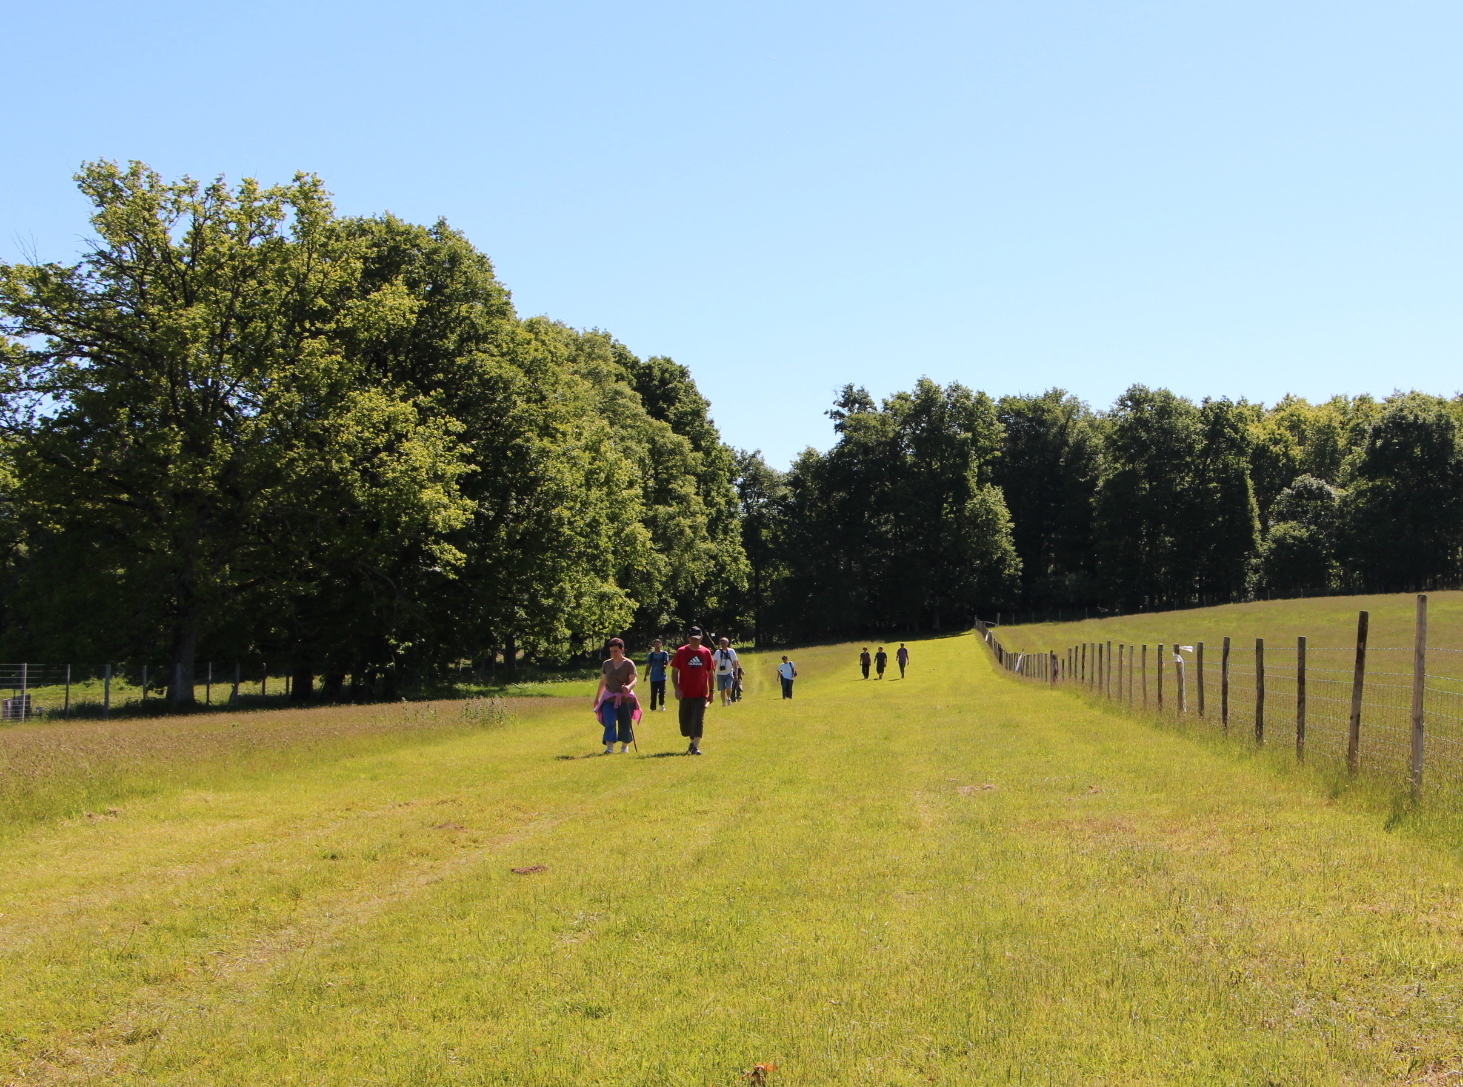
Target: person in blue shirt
x=656, y=664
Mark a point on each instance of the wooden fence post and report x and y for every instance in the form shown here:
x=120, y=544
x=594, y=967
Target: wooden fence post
x=1121, y=660
x=1082, y=672
x=1199, y=674
x=208, y=686
x=67, y=712
x=1180, y=676
x=1107, y=672
x=1358, y=679
x=1300, y=699
x=1158, y=662
x=1130, y=675
x=1145, y=676
x=1419, y=680
x=107, y=691
x=1259, y=690
x=1224, y=686
x=144, y=684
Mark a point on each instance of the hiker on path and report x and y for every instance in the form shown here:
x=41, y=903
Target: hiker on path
x=691, y=670
x=881, y=661
x=864, y=660
x=615, y=703
x=657, y=662
x=726, y=670
x=787, y=672
x=903, y=658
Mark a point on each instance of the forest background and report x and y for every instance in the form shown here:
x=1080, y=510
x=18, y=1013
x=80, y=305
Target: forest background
x=245, y=427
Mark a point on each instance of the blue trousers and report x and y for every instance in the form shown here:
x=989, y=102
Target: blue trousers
x=618, y=721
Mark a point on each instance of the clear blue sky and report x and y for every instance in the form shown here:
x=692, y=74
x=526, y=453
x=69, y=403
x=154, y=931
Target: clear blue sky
x=1227, y=198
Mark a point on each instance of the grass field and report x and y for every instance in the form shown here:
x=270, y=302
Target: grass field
x=952, y=878
x=1325, y=620
x=1329, y=625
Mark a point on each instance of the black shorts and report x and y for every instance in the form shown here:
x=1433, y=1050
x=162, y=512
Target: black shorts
x=693, y=717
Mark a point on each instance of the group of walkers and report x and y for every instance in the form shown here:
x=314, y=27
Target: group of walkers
x=697, y=675
x=880, y=661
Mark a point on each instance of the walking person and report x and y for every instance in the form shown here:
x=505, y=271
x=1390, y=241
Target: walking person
x=864, y=660
x=691, y=670
x=656, y=663
x=787, y=672
x=726, y=670
x=615, y=703
x=881, y=661
x=903, y=658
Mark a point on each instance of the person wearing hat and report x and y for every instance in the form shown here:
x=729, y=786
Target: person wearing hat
x=691, y=671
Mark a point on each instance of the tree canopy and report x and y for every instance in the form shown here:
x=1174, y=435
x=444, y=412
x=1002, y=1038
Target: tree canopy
x=244, y=427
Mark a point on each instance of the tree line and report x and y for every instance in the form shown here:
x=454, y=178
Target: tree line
x=941, y=501
x=245, y=427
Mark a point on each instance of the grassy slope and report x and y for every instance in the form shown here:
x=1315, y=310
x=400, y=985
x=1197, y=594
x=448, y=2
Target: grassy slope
x=833, y=886
x=1325, y=621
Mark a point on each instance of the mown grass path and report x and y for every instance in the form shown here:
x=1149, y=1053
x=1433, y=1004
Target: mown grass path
x=954, y=878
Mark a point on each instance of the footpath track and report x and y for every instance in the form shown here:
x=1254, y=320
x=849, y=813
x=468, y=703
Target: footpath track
x=951, y=878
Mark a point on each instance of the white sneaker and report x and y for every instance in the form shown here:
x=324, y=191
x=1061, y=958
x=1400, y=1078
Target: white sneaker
x=610, y=750
x=624, y=749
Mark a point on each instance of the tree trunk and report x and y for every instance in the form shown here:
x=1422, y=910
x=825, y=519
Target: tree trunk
x=331, y=686
x=388, y=685
x=302, y=683
x=510, y=654
x=363, y=685
x=185, y=649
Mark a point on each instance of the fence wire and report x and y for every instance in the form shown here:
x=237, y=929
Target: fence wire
x=1259, y=694
x=29, y=690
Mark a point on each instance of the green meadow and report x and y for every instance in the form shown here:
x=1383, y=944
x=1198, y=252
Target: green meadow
x=957, y=877
x=1327, y=621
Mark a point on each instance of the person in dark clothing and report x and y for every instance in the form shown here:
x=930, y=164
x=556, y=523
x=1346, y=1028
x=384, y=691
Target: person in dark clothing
x=864, y=660
x=656, y=664
x=903, y=658
x=881, y=661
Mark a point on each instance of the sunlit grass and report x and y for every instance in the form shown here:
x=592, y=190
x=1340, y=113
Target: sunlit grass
x=1324, y=620
x=953, y=878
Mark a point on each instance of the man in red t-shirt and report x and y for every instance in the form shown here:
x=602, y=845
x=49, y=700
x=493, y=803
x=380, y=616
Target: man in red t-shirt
x=691, y=672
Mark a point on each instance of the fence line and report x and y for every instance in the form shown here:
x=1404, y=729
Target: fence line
x=1370, y=707
x=66, y=690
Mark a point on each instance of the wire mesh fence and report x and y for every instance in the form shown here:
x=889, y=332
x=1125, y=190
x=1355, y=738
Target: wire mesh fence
x=29, y=690
x=1392, y=710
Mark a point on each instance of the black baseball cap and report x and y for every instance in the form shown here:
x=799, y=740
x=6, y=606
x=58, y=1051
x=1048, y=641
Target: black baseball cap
x=694, y=632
